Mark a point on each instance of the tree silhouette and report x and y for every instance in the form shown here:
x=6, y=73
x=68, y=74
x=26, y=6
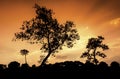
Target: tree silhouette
x=25, y=53
x=115, y=66
x=14, y=65
x=46, y=30
x=93, y=45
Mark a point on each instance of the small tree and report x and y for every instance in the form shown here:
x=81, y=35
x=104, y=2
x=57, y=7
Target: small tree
x=25, y=53
x=93, y=45
x=46, y=30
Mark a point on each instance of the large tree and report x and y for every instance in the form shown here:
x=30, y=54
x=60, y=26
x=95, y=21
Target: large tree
x=46, y=30
x=92, y=46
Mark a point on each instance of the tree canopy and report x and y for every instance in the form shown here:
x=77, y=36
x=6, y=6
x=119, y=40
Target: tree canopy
x=94, y=44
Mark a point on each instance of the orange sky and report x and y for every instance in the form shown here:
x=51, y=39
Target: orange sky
x=92, y=18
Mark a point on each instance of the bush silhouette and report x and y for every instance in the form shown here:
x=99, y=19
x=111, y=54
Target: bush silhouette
x=103, y=67
x=2, y=67
x=67, y=69
x=115, y=67
x=14, y=65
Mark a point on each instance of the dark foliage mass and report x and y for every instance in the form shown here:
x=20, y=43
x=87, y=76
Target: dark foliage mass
x=67, y=69
x=93, y=45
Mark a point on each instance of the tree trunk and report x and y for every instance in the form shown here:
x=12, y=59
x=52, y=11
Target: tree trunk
x=49, y=51
x=94, y=56
x=25, y=60
x=45, y=59
x=89, y=56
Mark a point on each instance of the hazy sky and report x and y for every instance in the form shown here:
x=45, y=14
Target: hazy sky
x=92, y=18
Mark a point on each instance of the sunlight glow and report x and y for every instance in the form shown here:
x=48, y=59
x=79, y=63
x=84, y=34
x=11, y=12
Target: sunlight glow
x=115, y=21
x=73, y=54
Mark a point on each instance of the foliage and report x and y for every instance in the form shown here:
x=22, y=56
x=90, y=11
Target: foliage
x=93, y=45
x=24, y=52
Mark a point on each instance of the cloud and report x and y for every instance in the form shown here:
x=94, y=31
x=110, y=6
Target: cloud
x=6, y=49
x=115, y=22
x=98, y=4
x=109, y=9
x=115, y=44
x=61, y=57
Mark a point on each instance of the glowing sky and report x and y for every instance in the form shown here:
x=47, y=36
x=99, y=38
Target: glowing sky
x=92, y=18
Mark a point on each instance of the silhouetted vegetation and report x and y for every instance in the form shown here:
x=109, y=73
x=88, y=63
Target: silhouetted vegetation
x=46, y=30
x=24, y=52
x=93, y=45
x=67, y=69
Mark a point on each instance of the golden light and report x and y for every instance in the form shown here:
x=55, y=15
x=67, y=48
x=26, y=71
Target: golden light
x=115, y=21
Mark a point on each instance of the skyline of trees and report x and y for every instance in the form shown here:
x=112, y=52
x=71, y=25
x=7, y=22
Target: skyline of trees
x=67, y=69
